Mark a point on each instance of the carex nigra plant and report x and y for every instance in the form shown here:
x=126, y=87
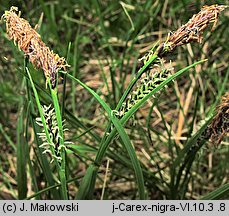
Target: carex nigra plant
x=154, y=81
x=150, y=79
x=192, y=31
x=50, y=120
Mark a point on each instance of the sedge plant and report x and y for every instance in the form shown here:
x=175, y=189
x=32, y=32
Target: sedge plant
x=52, y=135
x=150, y=80
x=189, y=32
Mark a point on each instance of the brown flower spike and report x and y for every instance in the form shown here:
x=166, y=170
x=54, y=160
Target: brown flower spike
x=219, y=126
x=29, y=41
x=193, y=29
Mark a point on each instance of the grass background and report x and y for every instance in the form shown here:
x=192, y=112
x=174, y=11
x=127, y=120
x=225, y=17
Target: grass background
x=102, y=41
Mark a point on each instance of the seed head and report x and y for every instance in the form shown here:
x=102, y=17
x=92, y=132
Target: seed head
x=219, y=127
x=29, y=41
x=193, y=29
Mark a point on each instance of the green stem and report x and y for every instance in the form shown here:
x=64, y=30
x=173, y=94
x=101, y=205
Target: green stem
x=62, y=170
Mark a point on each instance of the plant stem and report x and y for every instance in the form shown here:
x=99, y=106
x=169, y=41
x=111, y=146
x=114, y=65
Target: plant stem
x=62, y=170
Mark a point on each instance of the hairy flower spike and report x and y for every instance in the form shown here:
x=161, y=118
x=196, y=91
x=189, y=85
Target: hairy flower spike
x=193, y=29
x=219, y=127
x=190, y=32
x=147, y=85
x=54, y=147
x=29, y=41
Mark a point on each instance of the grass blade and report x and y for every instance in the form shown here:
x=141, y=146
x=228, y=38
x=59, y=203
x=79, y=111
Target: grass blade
x=21, y=150
x=133, y=157
x=104, y=145
x=126, y=141
x=219, y=193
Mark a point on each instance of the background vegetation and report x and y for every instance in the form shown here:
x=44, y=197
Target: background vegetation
x=102, y=41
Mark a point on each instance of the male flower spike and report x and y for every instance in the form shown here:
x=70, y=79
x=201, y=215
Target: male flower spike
x=29, y=41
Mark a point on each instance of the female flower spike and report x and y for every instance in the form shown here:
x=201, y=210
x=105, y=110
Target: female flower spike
x=29, y=41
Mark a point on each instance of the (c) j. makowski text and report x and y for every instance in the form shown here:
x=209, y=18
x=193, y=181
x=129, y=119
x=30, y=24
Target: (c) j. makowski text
x=50, y=207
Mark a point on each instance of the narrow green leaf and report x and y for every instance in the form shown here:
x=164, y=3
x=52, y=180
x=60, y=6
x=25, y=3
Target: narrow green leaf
x=21, y=157
x=125, y=138
x=62, y=170
x=133, y=157
x=186, y=158
x=105, y=142
x=219, y=193
x=87, y=185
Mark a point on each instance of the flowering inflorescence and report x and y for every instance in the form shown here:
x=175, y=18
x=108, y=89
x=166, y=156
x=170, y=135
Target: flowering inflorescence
x=52, y=144
x=193, y=29
x=147, y=84
x=29, y=41
x=190, y=32
x=219, y=126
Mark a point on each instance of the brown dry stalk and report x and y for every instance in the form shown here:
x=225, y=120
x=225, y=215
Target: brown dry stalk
x=219, y=126
x=29, y=41
x=193, y=29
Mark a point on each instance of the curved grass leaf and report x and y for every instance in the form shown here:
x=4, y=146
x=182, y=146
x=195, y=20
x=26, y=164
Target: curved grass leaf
x=218, y=193
x=186, y=157
x=62, y=171
x=86, y=184
x=156, y=90
x=138, y=172
x=105, y=142
x=136, y=165
x=21, y=152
